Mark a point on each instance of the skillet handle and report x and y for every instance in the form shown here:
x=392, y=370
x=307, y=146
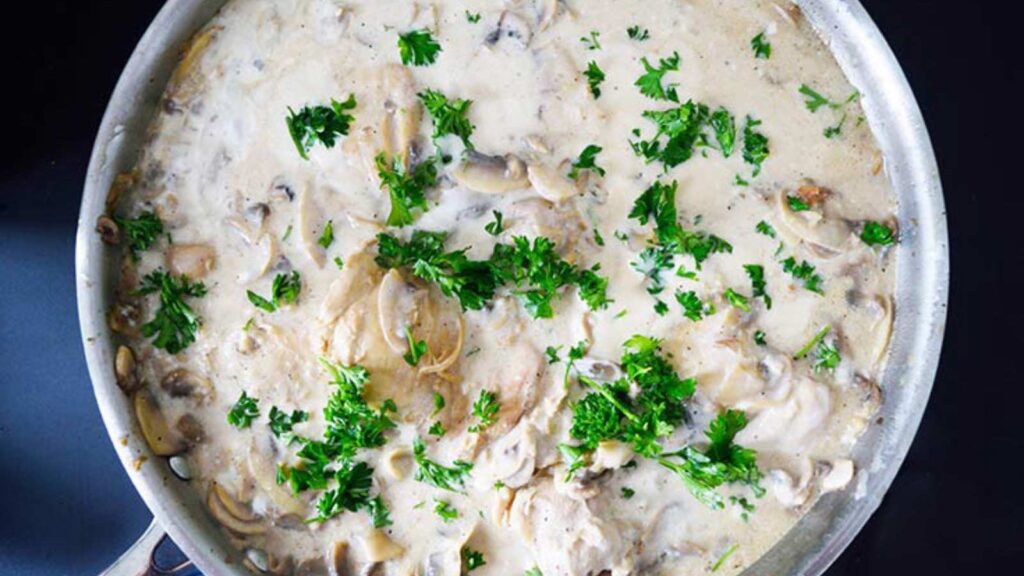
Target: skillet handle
x=140, y=559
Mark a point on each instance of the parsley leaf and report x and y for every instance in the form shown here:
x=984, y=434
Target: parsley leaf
x=817, y=339
x=436, y=429
x=327, y=237
x=724, y=125
x=243, y=412
x=755, y=145
x=450, y=116
x=756, y=274
x=765, y=229
x=486, y=409
x=445, y=510
x=797, y=204
x=417, y=348
x=322, y=124
x=141, y=232
x=737, y=300
x=628, y=492
x=406, y=189
x=595, y=76
x=804, y=272
x=587, y=161
x=284, y=290
x=761, y=47
x=650, y=83
x=759, y=338
x=446, y=478
x=281, y=423
x=472, y=18
x=591, y=41
x=877, y=234
x=495, y=228
x=175, y=324
x=826, y=357
x=552, y=353
x=682, y=129
x=635, y=33
x=352, y=492
x=380, y=516
x=693, y=307
x=472, y=559
x=418, y=48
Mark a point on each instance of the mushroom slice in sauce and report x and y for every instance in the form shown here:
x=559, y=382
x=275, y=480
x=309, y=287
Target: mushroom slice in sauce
x=158, y=435
x=491, y=174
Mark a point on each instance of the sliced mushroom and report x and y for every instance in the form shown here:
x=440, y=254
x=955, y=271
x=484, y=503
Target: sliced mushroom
x=883, y=328
x=838, y=475
x=397, y=303
x=378, y=547
x=511, y=28
x=311, y=567
x=182, y=383
x=512, y=458
x=337, y=559
x=306, y=223
x=826, y=233
x=491, y=174
x=109, y=231
x=192, y=260
x=231, y=514
x=397, y=462
x=550, y=184
x=154, y=426
x=125, y=370
x=125, y=318
x=190, y=429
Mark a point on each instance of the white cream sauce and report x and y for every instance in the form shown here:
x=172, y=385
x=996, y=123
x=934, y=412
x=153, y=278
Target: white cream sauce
x=222, y=172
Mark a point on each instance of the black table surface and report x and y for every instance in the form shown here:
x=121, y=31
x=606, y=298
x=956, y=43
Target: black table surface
x=956, y=508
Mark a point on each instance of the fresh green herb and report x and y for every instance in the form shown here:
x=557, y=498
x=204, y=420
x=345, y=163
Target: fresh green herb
x=797, y=204
x=814, y=100
x=759, y=338
x=693, y=307
x=406, y=189
x=472, y=18
x=756, y=274
x=740, y=181
x=417, y=348
x=755, y=145
x=737, y=300
x=593, y=288
x=438, y=404
x=244, y=411
x=723, y=461
x=450, y=116
x=541, y=268
x=682, y=129
x=281, y=423
x=418, y=48
x=436, y=429
x=725, y=556
x=446, y=478
x=804, y=272
x=380, y=516
x=590, y=41
x=339, y=263
x=587, y=161
x=660, y=308
x=761, y=47
x=682, y=272
x=877, y=234
x=472, y=559
x=598, y=239
x=486, y=409
x=327, y=237
x=638, y=34
x=765, y=229
x=552, y=353
x=533, y=572
x=141, y=232
x=287, y=233
x=472, y=282
x=446, y=511
x=352, y=492
x=818, y=337
x=248, y=324
x=833, y=131
x=284, y=290
x=322, y=124
x=628, y=492
x=175, y=324
x=495, y=228
x=595, y=76
x=575, y=353
x=826, y=357
x=724, y=125
x=650, y=83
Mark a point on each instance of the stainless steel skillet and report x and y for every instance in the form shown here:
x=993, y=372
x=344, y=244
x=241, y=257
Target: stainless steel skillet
x=816, y=541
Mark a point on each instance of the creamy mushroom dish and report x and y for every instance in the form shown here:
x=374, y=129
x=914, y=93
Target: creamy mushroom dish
x=553, y=287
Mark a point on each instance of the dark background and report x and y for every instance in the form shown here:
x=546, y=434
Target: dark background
x=66, y=506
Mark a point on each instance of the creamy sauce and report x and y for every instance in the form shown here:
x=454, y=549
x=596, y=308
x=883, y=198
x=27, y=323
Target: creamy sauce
x=224, y=176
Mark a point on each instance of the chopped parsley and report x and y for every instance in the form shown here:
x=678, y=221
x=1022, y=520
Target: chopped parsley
x=836, y=130
x=445, y=510
x=472, y=559
x=826, y=355
x=486, y=409
x=817, y=339
x=244, y=411
x=552, y=354
x=765, y=229
x=418, y=48
x=281, y=423
x=598, y=239
x=587, y=161
x=762, y=47
x=450, y=116
x=638, y=34
x=797, y=204
x=141, y=232
x=533, y=572
x=737, y=300
x=451, y=478
x=756, y=274
x=438, y=404
x=814, y=100
x=436, y=429
x=591, y=41
x=417, y=348
x=693, y=307
x=595, y=76
x=724, y=126
x=472, y=18
x=650, y=83
x=327, y=237
x=679, y=131
x=406, y=189
x=322, y=124
x=722, y=462
x=495, y=228
x=628, y=492
x=175, y=324
x=759, y=338
x=339, y=262
x=877, y=234
x=755, y=145
x=725, y=556
x=284, y=290
x=805, y=272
